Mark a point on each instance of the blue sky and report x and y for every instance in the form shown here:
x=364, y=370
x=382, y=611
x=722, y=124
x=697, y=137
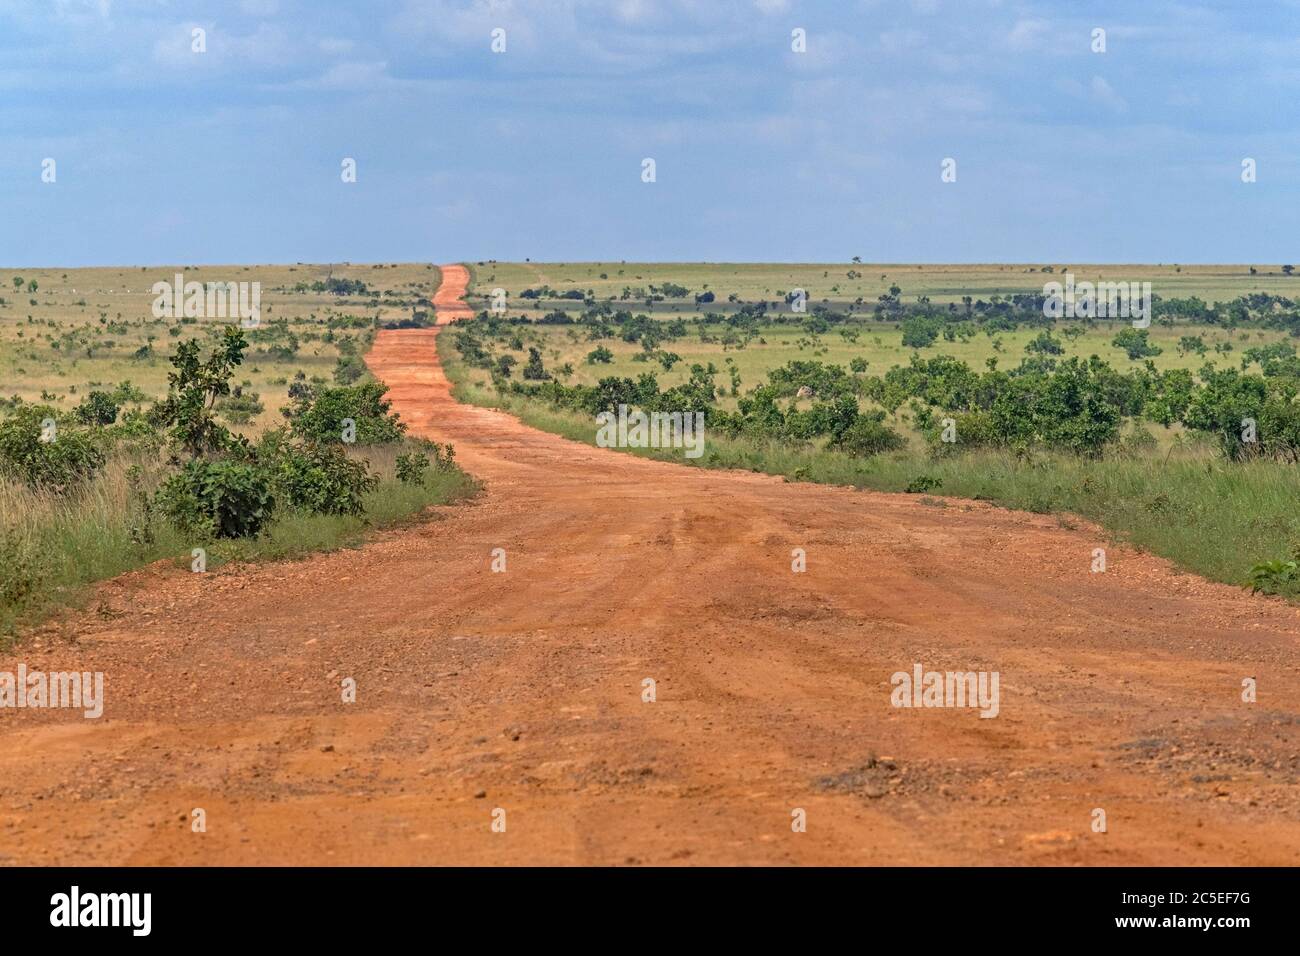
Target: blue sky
x=233, y=155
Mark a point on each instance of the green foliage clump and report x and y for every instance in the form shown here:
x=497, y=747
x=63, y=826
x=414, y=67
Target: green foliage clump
x=1045, y=344
x=97, y=408
x=1136, y=343
x=922, y=484
x=535, y=371
x=319, y=417
x=1273, y=577
x=1224, y=403
x=921, y=331
x=46, y=451
x=239, y=407
x=315, y=478
x=194, y=387
x=217, y=499
x=868, y=435
x=348, y=369
x=412, y=467
x=230, y=488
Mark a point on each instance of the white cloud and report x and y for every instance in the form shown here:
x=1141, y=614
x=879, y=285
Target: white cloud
x=352, y=76
x=632, y=11
x=901, y=41
x=1028, y=35
x=1105, y=94
x=335, y=45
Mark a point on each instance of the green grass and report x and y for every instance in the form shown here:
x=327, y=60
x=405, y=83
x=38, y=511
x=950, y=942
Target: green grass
x=81, y=330
x=86, y=326
x=878, y=343
x=53, y=548
x=846, y=281
x=1212, y=517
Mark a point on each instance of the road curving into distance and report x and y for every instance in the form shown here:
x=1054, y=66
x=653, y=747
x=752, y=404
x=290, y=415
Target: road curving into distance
x=523, y=691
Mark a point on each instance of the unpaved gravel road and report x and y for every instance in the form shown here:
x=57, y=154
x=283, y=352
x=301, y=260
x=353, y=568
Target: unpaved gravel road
x=523, y=690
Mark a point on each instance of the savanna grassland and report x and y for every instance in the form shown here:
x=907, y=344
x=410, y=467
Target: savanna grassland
x=844, y=283
x=128, y=436
x=1139, y=430
x=85, y=329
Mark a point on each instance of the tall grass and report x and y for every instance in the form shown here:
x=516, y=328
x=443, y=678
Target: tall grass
x=52, y=546
x=1210, y=516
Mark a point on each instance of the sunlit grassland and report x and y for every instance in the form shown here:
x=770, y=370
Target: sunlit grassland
x=99, y=318
x=1177, y=500
x=878, y=343
x=51, y=547
x=846, y=281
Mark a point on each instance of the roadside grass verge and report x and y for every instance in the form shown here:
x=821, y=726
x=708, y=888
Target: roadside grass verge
x=1210, y=516
x=52, y=548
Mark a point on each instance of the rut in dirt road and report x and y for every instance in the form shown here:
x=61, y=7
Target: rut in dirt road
x=522, y=691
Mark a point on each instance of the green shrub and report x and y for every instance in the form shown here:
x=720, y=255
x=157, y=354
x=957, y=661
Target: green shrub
x=20, y=571
x=1068, y=409
x=1136, y=344
x=240, y=407
x=869, y=435
x=126, y=392
x=348, y=369
x=97, y=408
x=193, y=389
x=923, y=483
x=535, y=371
x=217, y=499
x=411, y=468
x=1222, y=405
x=920, y=331
x=1045, y=344
x=1273, y=577
x=504, y=364
x=319, y=479
x=318, y=417
x=72, y=456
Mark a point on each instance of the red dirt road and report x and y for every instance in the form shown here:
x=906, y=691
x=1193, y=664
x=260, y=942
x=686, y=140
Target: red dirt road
x=449, y=301
x=523, y=690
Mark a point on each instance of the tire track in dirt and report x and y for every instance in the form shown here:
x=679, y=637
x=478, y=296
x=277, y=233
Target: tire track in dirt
x=522, y=690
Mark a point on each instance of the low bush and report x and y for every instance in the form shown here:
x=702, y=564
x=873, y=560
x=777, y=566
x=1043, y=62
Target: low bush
x=1273, y=577
x=318, y=479
x=319, y=416
x=869, y=435
x=348, y=369
x=97, y=408
x=20, y=571
x=46, y=451
x=218, y=499
x=412, y=467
